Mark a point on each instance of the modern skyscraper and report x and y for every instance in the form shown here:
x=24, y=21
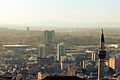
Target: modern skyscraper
x=28, y=28
x=60, y=51
x=42, y=52
x=49, y=38
x=102, y=54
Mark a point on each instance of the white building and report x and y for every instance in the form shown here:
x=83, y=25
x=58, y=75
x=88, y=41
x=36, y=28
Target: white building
x=60, y=51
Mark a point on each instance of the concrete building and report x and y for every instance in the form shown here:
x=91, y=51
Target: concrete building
x=45, y=61
x=16, y=48
x=48, y=49
x=113, y=46
x=60, y=51
x=71, y=71
x=114, y=63
x=65, y=65
x=49, y=39
x=42, y=51
x=94, y=55
x=28, y=28
x=68, y=58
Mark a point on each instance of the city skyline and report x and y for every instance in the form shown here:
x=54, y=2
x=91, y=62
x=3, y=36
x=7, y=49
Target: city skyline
x=80, y=53
x=59, y=13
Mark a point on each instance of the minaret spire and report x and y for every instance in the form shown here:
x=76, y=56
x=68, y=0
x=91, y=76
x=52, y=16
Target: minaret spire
x=102, y=54
x=102, y=36
x=102, y=42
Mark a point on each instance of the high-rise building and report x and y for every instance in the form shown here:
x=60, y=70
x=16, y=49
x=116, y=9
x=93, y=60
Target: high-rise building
x=49, y=36
x=101, y=61
x=42, y=52
x=60, y=51
x=28, y=28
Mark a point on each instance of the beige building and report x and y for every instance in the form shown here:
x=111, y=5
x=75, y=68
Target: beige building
x=114, y=63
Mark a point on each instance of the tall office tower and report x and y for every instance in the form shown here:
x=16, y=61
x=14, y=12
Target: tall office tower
x=41, y=48
x=101, y=61
x=42, y=51
x=28, y=28
x=49, y=38
x=60, y=51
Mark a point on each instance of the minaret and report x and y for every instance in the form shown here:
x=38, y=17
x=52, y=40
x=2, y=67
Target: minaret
x=102, y=54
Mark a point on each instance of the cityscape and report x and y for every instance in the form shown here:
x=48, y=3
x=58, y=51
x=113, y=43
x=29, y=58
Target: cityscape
x=59, y=40
x=35, y=55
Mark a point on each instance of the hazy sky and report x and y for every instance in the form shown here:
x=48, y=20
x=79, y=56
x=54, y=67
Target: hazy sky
x=59, y=11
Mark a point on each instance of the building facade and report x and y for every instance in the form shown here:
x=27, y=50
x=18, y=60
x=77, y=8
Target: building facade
x=114, y=63
x=49, y=39
x=60, y=51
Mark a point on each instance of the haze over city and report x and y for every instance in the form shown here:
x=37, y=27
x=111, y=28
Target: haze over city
x=59, y=39
x=60, y=13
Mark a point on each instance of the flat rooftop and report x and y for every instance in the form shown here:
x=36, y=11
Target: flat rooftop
x=16, y=45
